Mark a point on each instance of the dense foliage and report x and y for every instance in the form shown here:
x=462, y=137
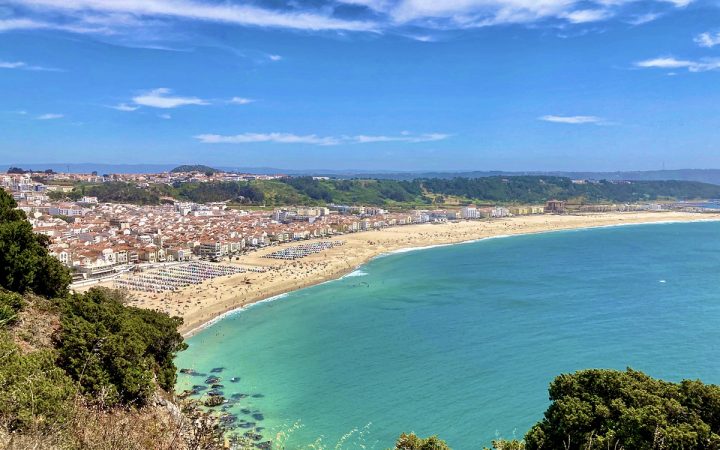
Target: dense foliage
x=413, y=442
x=34, y=391
x=118, y=192
x=534, y=189
x=117, y=351
x=218, y=192
x=18, y=171
x=599, y=409
x=11, y=303
x=24, y=258
x=382, y=192
x=186, y=168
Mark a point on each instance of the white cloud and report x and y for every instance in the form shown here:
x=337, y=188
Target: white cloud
x=31, y=24
x=313, y=139
x=165, y=116
x=125, y=107
x=123, y=16
x=11, y=65
x=422, y=37
x=573, y=120
x=161, y=98
x=275, y=57
x=668, y=62
x=50, y=116
x=679, y=3
x=238, y=14
x=644, y=18
x=405, y=137
x=587, y=15
x=241, y=100
x=279, y=138
x=708, y=40
x=25, y=66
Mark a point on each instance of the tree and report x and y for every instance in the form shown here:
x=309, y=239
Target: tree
x=33, y=391
x=24, y=258
x=600, y=409
x=413, y=442
x=115, y=351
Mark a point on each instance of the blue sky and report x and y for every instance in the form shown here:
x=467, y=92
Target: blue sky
x=362, y=84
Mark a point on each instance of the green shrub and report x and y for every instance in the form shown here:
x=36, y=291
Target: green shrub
x=115, y=351
x=24, y=259
x=600, y=409
x=11, y=303
x=34, y=393
x=413, y=442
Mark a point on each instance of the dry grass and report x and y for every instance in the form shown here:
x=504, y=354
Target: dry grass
x=158, y=427
x=36, y=325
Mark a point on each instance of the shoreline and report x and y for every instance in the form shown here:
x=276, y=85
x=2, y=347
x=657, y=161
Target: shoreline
x=203, y=305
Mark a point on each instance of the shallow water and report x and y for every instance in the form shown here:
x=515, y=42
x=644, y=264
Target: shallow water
x=462, y=341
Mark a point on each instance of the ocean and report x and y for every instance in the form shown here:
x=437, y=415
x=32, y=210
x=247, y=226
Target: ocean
x=462, y=341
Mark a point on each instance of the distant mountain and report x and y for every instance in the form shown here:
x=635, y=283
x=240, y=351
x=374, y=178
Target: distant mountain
x=194, y=168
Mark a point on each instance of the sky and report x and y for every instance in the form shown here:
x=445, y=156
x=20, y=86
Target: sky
x=362, y=84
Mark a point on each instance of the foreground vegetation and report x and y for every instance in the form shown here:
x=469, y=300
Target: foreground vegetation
x=608, y=409
x=394, y=193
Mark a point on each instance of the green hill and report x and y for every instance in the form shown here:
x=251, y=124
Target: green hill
x=402, y=194
x=195, y=168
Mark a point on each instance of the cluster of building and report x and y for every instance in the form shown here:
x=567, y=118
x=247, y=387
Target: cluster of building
x=98, y=239
x=152, y=178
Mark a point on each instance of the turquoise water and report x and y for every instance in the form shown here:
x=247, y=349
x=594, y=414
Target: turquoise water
x=463, y=340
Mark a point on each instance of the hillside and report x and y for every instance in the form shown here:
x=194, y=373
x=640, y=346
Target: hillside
x=194, y=168
x=399, y=193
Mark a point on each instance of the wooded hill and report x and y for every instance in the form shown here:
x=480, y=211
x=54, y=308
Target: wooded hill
x=393, y=193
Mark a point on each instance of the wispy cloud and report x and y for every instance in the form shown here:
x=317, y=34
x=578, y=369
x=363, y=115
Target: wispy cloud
x=80, y=26
x=162, y=98
x=114, y=16
x=275, y=57
x=587, y=15
x=404, y=137
x=50, y=116
x=240, y=100
x=669, y=62
x=125, y=107
x=165, y=116
x=644, y=18
x=574, y=120
x=226, y=12
x=313, y=139
x=278, y=138
x=21, y=65
x=708, y=40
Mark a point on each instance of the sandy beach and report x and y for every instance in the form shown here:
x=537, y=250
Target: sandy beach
x=199, y=304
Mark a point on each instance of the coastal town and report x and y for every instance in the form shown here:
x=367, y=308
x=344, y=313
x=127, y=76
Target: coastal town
x=101, y=240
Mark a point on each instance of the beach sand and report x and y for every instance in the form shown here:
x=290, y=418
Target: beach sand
x=199, y=304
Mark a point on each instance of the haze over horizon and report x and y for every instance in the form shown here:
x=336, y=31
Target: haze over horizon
x=405, y=85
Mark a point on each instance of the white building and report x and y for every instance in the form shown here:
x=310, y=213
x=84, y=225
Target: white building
x=470, y=212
